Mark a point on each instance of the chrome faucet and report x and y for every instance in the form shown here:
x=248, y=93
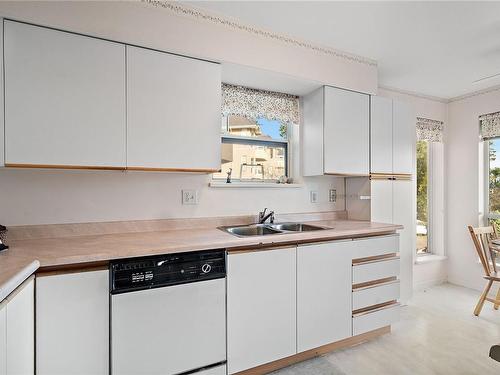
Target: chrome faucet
x=263, y=217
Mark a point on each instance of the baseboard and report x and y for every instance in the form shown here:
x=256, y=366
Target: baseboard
x=299, y=357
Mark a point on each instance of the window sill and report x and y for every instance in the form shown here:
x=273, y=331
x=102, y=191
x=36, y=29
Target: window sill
x=252, y=185
x=424, y=259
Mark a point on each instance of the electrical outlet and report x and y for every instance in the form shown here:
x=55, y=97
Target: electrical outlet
x=314, y=196
x=332, y=195
x=189, y=196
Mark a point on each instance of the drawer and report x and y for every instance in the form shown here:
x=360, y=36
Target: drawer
x=375, y=295
x=375, y=246
x=368, y=321
x=375, y=270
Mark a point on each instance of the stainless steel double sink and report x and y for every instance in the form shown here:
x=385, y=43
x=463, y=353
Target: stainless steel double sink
x=267, y=229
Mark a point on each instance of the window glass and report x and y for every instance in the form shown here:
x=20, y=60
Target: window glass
x=253, y=150
x=422, y=197
x=262, y=128
x=494, y=177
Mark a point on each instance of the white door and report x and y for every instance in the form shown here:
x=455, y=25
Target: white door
x=168, y=330
x=404, y=136
x=380, y=135
x=3, y=338
x=381, y=201
x=261, y=307
x=404, y=214
x=324, y=291
x=72, y=324
x=21, y=331
x=173, y=111
x=346, y=132
x=64, y=98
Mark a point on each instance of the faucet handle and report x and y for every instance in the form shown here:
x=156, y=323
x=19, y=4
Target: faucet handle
x=262, y=213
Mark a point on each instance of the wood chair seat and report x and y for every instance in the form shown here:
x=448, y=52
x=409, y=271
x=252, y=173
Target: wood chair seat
x=487, y=247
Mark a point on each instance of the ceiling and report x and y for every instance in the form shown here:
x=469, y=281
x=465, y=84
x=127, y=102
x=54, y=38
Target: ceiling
x=431, y=48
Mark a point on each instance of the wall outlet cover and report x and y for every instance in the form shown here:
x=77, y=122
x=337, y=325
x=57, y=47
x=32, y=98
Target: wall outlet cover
x=189, y=196
x=314, y=196
x=332, y=195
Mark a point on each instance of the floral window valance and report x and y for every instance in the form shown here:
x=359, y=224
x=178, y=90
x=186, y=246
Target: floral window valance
x=429, y=130
x=254, y=104
x=490, y=125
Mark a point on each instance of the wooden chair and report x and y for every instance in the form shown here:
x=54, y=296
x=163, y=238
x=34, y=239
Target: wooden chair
x=487, y=252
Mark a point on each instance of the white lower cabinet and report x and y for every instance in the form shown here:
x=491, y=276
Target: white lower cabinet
x=375, y=319
x=20, y=324
x=261, y=307
x=219, y=370
x=72, y=324
x=324, y=292
x=3, y=338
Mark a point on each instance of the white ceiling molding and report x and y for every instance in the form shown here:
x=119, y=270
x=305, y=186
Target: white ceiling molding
x=475, y=93
x=184, y=10
x=416, y=94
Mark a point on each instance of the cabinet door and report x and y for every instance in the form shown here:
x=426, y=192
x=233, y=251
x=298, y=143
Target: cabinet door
x=404, y=137
x=173, y=111
x=21, y=331
x=346, y=132
x=324, y=290
x=380, y=135
x=72, y=324
x=261, y=307
x=3, y=338
x=381, y=201
x=64, y=98
x=404, y=214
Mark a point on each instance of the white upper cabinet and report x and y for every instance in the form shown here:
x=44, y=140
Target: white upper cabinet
x=381, y=134
x=404, y=138
x=64, y=98
x=336, y=133
x=324, y=290
x=173, y=112
x=392, y=136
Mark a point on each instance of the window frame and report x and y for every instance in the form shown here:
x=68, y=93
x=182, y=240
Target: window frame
x=429, y=200
x=255, y=141
x=486, y=180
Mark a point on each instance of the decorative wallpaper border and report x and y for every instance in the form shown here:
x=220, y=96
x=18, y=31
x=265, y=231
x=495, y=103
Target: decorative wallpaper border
x=198, y=14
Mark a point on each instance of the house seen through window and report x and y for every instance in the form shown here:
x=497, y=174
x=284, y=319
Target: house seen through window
x=253, y=150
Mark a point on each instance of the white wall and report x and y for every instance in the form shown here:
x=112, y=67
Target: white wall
x=435, y=272
x=64, y=196
x=464, y=161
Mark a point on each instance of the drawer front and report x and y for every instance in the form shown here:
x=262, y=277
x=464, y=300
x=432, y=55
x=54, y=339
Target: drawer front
x=375, y=295
x=375, y=246
x=382, y=269
x=377, y=319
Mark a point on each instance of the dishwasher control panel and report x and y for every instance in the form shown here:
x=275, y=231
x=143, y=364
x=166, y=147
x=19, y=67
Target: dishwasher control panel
x=163, y=270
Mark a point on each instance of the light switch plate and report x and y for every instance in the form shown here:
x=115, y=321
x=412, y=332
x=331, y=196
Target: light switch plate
x=314, y=196
x=189, y=196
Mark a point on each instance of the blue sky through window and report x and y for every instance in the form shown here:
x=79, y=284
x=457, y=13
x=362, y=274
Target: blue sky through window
x=495, y=145
x=270, y=128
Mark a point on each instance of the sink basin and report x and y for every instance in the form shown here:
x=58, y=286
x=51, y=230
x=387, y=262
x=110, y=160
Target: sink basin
x=267, y=229
x=295, y=227
x=251, y=230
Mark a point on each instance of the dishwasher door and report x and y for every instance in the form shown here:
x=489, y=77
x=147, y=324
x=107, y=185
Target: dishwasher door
x=169, y=330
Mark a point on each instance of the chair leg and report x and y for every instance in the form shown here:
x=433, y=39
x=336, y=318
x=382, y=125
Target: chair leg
x=498, y=299
x=480, y=303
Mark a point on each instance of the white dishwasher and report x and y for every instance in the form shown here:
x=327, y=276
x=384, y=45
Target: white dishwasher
x=168, y=314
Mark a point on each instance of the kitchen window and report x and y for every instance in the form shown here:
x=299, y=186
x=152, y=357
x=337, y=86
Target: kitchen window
x=430, y=187
x=253, y=150
x=490, y=134
x=423, y=227
x=255, y=134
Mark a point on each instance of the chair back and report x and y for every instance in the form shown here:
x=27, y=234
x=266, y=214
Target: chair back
x=482, y=237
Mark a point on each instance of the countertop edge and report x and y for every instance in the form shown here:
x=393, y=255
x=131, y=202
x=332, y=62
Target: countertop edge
x=12, y=283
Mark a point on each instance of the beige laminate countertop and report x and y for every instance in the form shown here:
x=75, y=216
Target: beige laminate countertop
x=25, y=256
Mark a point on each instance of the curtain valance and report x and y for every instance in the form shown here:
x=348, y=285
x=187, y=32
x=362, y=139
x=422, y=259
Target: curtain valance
x=429, y=130
x=254, y=104
x=490, y=125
